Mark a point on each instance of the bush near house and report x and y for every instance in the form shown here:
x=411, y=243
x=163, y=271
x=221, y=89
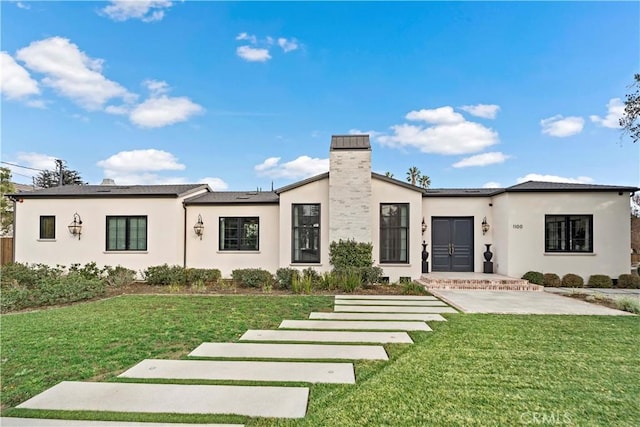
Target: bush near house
x=164, y=275
x=252, y=277
x=599, y=281
x=630, y=281
x=571, y=280
x=552, y=280
x=534, y=277
x=349, y=259
x=286, y=276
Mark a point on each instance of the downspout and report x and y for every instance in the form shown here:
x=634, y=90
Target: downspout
x=184, y=236
x=15, y=217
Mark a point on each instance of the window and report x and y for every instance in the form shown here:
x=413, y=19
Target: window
x=568, y=233
x=126, y=233
x=47, y=227
x=394, y=233
x=239, y=234
x=306, y=233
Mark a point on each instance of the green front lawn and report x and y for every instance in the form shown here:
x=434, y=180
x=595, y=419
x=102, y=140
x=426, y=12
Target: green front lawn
x=472, y=370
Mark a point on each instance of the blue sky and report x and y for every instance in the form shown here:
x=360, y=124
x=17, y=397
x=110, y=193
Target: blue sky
x=240, y=95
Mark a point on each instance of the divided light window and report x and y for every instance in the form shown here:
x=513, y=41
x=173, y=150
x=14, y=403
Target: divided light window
x=126, y=233
x=568, y=233
x=305, y=233
x=394, y=233
x=239, y=233
x=47, y=227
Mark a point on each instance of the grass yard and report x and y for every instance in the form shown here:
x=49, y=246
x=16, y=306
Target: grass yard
x=471, y=370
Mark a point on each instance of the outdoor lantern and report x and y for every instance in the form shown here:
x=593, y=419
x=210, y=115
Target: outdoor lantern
x=75, y=228
x=424, y=226
x=485, y=226
x=199, y=227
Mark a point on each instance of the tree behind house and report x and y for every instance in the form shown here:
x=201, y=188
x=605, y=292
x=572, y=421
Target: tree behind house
x=47, y=179
x=6, y=207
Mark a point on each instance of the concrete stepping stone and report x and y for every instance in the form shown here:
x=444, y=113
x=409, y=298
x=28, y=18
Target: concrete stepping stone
x=391, y=309
x=251, y=401
x=290, y=351
x=365, y=325
x=378, y=316
x=389, y=302
x=390, y=297
x=45, y=422
x=326, y=336
x=311, y=372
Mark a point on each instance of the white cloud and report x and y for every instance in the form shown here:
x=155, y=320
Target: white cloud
x=253, y=54
x=288, y=45
x=145, y=10
x=492, y=184
x=15, y=81
x=302, y=167
x=615, y=110
x=36, y=160
x=554, y=178
x=156, y=87
x=216, y=184
x=118, y=110
x=486, y=111
x=248, y=37
x=23, y=5
x=372, y=133
x=163, y=111
x=72, y=73
x=442, y=115
x=561, y=127
x=483, y=159
x=135, y=161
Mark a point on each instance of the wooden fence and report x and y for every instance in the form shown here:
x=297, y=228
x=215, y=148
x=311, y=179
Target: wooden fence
x=6, y=250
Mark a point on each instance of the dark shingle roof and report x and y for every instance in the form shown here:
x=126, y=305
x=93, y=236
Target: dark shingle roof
x=396, y=182
x=303, y=182
x=564, y=186
x=233, y=197
x=350, y=142
x=462, y=192
x=72, y=191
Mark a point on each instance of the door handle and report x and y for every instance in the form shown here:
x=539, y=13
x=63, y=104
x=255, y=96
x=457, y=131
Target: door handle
x=453, y=249
x=450, y=249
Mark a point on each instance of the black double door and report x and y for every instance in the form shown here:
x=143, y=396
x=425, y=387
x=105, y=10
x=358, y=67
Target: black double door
x=452, y=243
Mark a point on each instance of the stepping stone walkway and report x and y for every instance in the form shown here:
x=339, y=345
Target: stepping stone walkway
x=357, y=321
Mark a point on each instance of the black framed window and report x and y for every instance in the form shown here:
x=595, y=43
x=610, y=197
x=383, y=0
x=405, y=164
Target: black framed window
x=47, y=227
x=394, y=233
x=126, y=233
x=239, y=233
x=305, y=219
x=568, y=233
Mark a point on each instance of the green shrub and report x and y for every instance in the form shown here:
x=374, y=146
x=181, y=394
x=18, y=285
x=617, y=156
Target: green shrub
x=534, y=277
x=314, y=278
x=285, y=276
x=302, y=284
x=252, y=277
x=118, y=276
x=204, y=275
x=570, y=280
x=163, y=275
x=413, y=288
x=348, y=279
x=628, y=304
x=630, y=281
x=349, y=253
x=599, y=281
x=88, y=271
x=28, y=275
x=551, y=279
x=370, y=275
x=331, y=280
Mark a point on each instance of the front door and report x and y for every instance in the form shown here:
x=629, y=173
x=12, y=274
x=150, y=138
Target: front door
x=452, y=243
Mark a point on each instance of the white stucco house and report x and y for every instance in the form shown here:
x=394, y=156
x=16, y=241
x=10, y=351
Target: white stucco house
x=547, y=227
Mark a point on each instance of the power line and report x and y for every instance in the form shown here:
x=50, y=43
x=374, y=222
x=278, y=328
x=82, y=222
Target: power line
x=24, y=167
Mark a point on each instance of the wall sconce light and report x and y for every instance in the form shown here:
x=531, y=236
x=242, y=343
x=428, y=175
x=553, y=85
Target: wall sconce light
x=75, y=228
x=199, y=227
x=424, y=226
x=485, y=226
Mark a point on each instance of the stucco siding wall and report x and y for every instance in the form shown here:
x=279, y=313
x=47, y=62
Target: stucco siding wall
x=499, y=233
x=164, y=231
x=206, y=253
x=314, y=192
x=384, y=192
x=611, y=233
x=476, y=207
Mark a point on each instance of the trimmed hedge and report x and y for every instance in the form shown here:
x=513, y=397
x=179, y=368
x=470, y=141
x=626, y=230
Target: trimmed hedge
x=163, y=275
x=571, y=280
x=630, y=281
x=286, y=276
x=552, y=280
x=534, y=277
x=349, y=253
x=599, y=281
x=252, y=277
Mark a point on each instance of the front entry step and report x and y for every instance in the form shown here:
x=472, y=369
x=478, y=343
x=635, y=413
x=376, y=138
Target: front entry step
x=391, y=309
x=310, y=372
x=364, y=325
x=378, y=316
x=252, y=401
x=289, y=351
x=389, y=297
x=389, y=302
x=326, y=336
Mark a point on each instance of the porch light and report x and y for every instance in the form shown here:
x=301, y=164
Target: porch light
x=199, y=227
x=424, y=226
x=75, y=228
x=485, y=226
